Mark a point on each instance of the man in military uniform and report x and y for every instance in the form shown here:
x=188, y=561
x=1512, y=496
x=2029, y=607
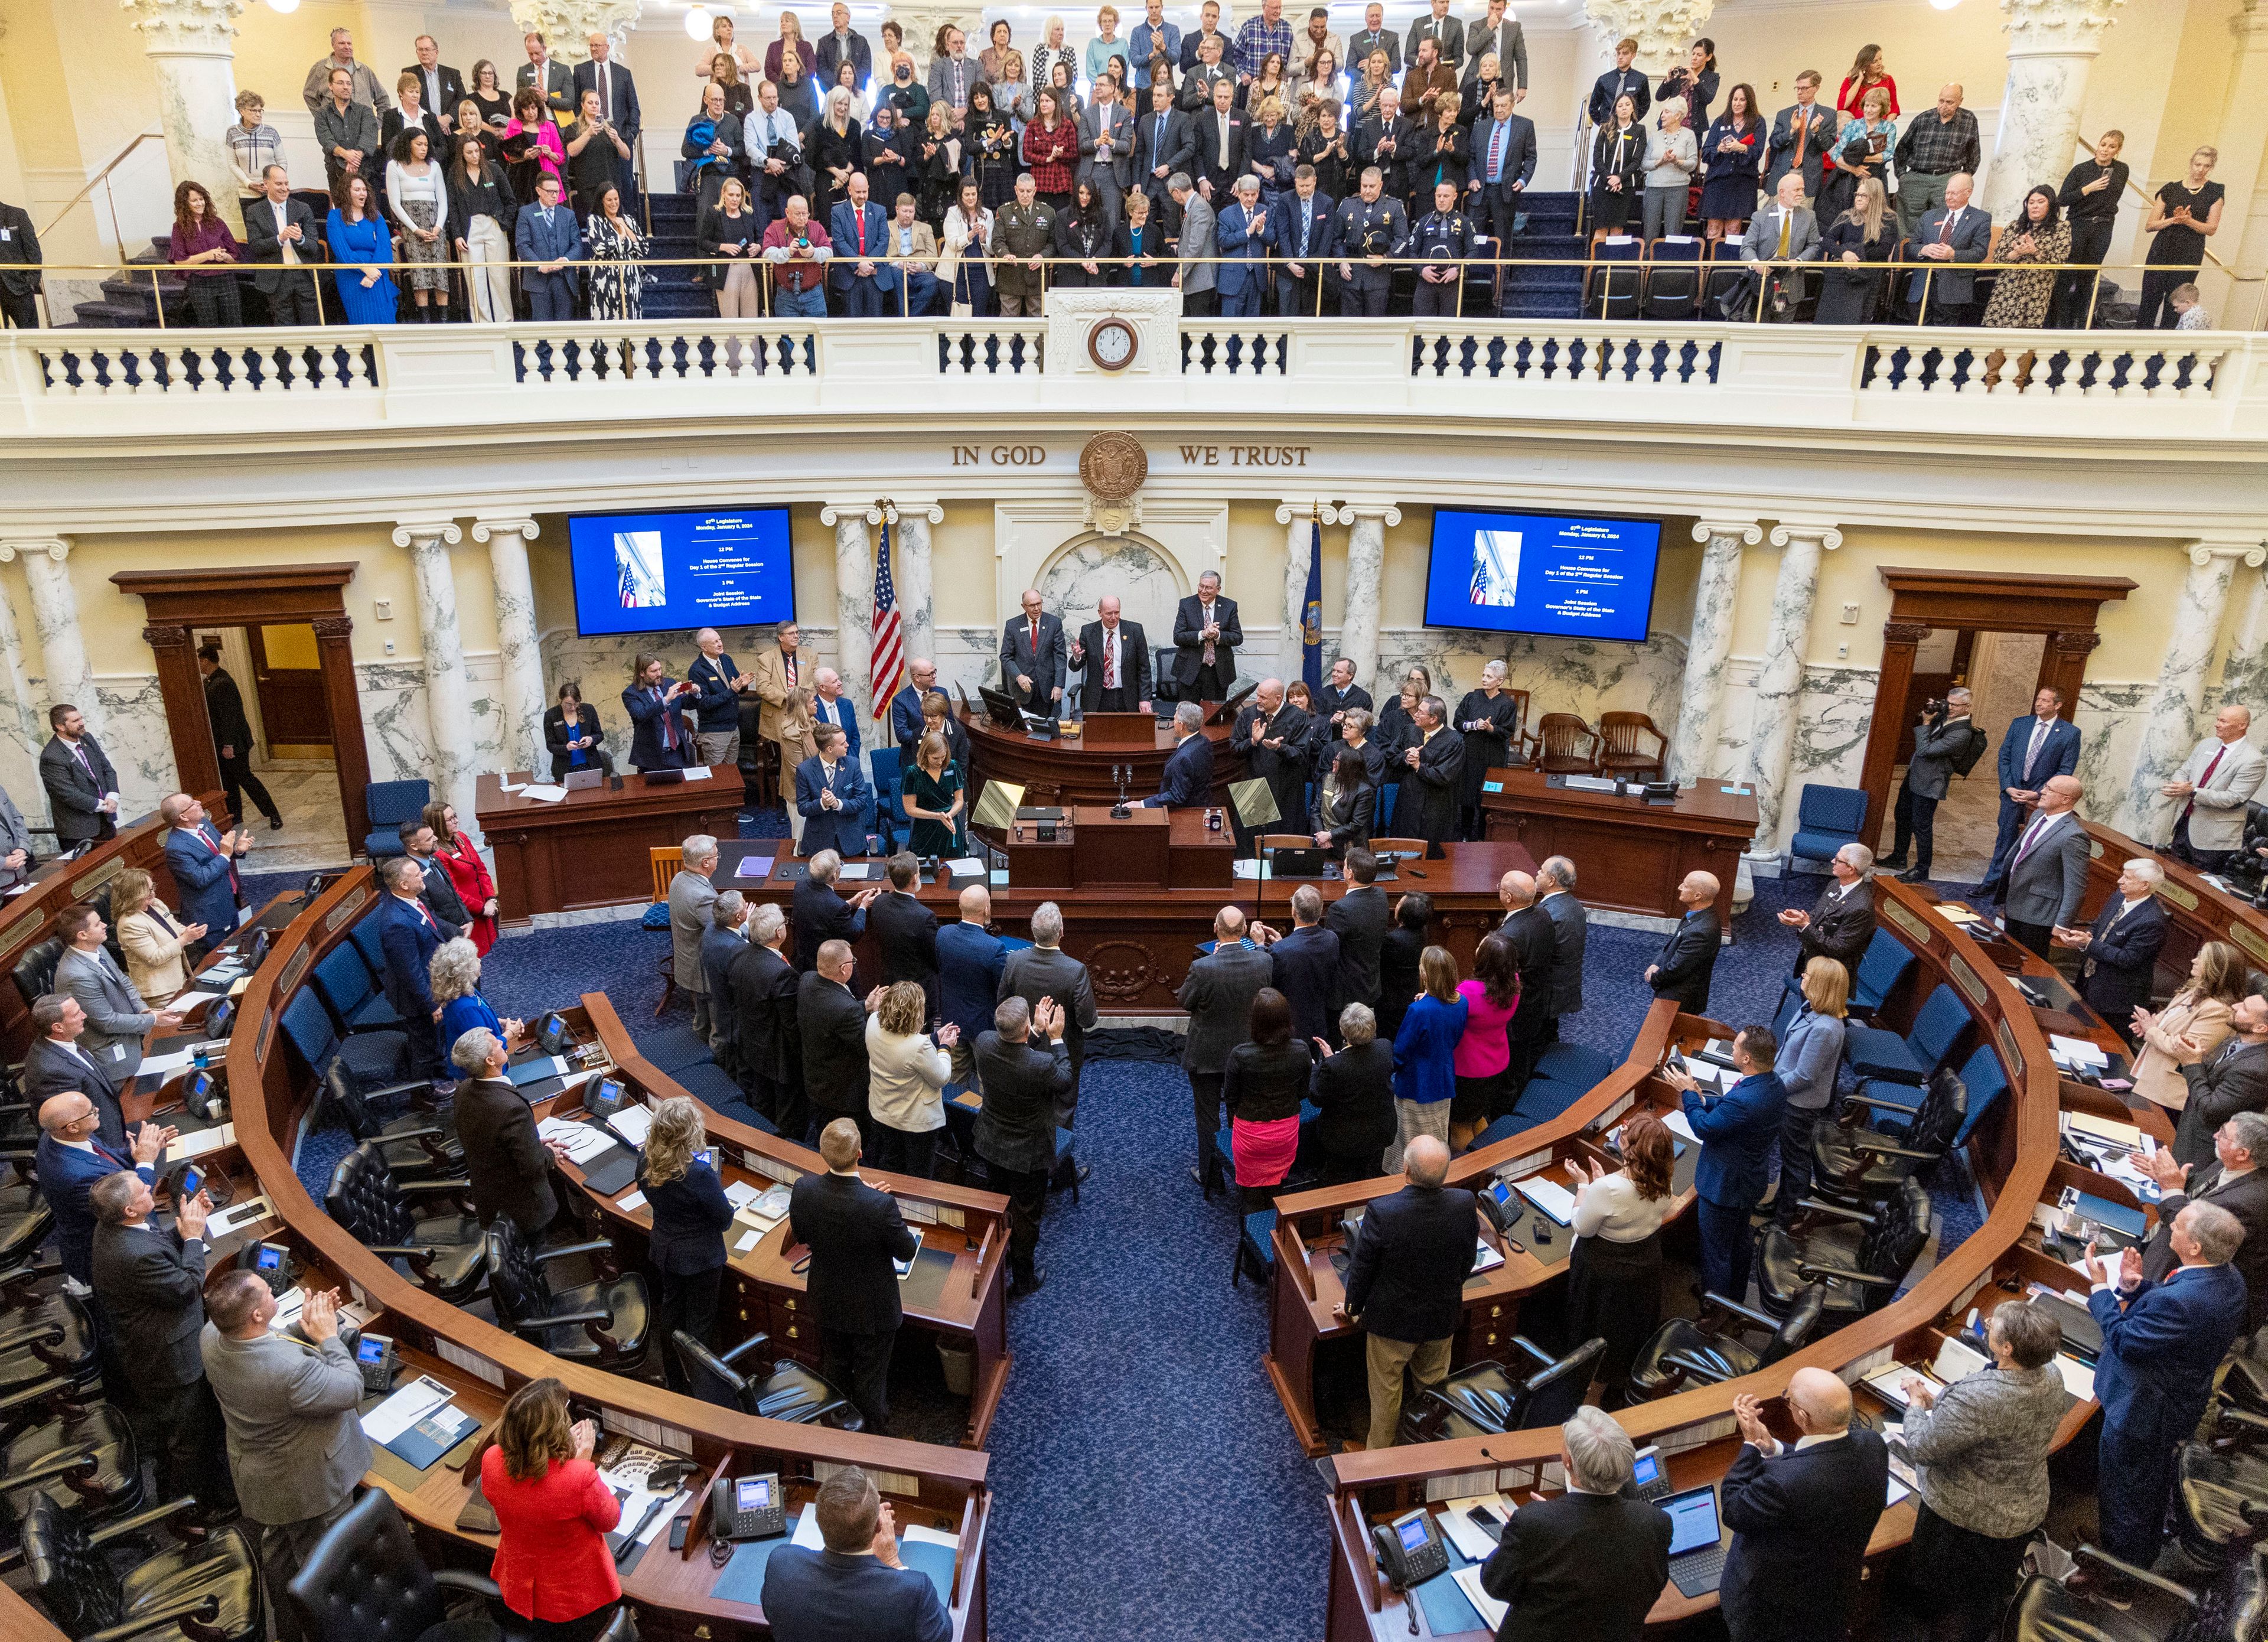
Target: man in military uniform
x=1444, y=238
x=1023, y=231
x=1371, y=229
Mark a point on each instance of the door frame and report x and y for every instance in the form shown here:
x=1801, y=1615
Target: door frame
x=2065, y=608
x=180, y=601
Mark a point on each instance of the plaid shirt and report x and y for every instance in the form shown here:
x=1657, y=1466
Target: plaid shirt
x=1935, y=147
x=254, y=151
x=1256, y=38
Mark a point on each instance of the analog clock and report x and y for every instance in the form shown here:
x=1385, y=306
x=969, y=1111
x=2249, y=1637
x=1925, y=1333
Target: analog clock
x=1112, y=344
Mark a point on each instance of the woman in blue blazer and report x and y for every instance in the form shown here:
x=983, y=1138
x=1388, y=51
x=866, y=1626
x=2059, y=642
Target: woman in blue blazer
x=691, y=1212
x=455, y=968
x=1424, y=1052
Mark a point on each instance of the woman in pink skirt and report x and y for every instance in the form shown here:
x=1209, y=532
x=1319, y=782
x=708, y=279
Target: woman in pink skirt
x=1261, y=1086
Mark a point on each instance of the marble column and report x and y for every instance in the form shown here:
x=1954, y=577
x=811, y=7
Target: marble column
x=912, y=571
x=1300, y=520
x=1709, y=646
x=1771, y=735
x=2169, y=730
x=191, y=45
x=2240, y=143
x=448, y=691
x=2051, y=45
x=63, y=665
x=20, y=710
x=2244, y=669
x=1664, y=30
x=507, y=541
x=567, y=26
x=854, y=595
x=1366, y=572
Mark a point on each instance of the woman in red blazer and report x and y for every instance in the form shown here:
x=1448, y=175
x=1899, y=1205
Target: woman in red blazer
x=553, y=1513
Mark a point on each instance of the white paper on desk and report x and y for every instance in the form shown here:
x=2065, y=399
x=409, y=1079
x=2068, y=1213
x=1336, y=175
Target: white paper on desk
x=505, y=784
x=1957, y=1359
x=2108, y=1130
x=1490, y=1610
x=747, y=1242
x=919, y=1536
x=583, y=1142
x=1486, y=1257
x=161, y=1065
x=187, y=1003
x=1465, y=1534
x=1245, y=868
x=1553, y=1198
x=543, y=791
x=633, y=1123
x=966, y=867
x=632, y=1204
x=404, y=1409
x=741, y=1194
x=1680, y=1125
x=2078, y=1052
x=698, y=772
x=2078, y=1378
x=197, y=1142
x=659, y=1526
x=20, y=889
x=236, y=1215
x=807, y=1531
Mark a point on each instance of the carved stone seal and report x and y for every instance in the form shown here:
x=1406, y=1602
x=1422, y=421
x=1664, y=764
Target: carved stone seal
x=1113, y=465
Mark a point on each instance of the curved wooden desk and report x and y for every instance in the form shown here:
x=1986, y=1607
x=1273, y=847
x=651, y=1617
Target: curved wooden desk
x=2013, y=1153
x=1066, y=770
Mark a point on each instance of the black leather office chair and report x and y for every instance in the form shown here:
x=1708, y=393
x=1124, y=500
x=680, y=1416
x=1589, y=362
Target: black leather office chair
x=35, y=971
x=2233, y=1607
x=443, y=1251
x=366, y=1580
x=1708, y=1349
x=1861, y=1256
x=789, y=1392
x=25, y=1218
x=414, y=1148
x=214, y=1585
x=1855, y=1166
x=2221, y=1490
x=49, y=1336
x=603, y=1324
x=1486, y=1399
x=82, y=1459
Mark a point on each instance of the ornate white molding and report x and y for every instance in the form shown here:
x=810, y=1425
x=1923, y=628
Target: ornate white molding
x=56, y=548
x=567, y=25
x=2254, y=553
x=1664, y=29
x=483, y=528
x=1749, y=532
x=205, y=27
x=1350, y=512
x=1827, y=536
x=933, y=512
x=442, y=530
x=1323, y=513
x=872, y=512
x=2072, y=25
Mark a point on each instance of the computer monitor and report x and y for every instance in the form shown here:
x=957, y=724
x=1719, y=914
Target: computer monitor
x=1693, y=1520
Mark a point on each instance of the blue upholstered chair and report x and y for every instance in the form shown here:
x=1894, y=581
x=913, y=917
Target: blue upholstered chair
x=1826, y=819
x=389, y=804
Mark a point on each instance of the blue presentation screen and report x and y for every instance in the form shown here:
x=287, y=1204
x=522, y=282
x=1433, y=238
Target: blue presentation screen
x=1541, y=574
x=660, y=572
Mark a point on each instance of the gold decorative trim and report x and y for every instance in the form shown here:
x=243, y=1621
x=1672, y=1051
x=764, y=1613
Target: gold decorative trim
x=26, y=931
x=1906, y=922
x=2245, y=935
x=295, y=970
x=2180, y=894
x=84, y=889
x=2004, y=1035
x=345, y=911
x=1968, y=979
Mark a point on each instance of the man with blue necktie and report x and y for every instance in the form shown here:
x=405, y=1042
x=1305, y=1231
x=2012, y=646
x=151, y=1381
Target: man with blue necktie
x=409, y=935
x=831, y=797
x=1189, y=770
x=203, y=861
x=865, y=281
x=1301, y=229
x=549, y=240
x=70, y=1159
x=718, y=681
x=830, y=706
x=659, y=738
x=1242, y=237
x=2038, y=745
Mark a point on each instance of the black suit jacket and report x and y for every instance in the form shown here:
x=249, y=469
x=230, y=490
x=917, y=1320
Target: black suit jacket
x=263, y=248
x=1188, y=776
x=906, y=931
x=225, y=707
x=1571, y=933
x=1188, y=645
x=1405, y=1278
x=2233, y=1079
x=1307, y=972
x=1587, y=1565
x=1330, y=703
x=151, y=1286
x=1536, y=943
x=1024, y=1086
x=1841, y=927
x=625, y=108
x=2246, y=1197
x=1349, y=821
x=509, y=1170
x=452, y=89
x=1359, y=918
x=557, y=735
x=2120, y=965
x=1801, y=1524
x=821, y=915
x=1397, y=977
x=1133, y=664
x=20, y=246
x=1354, y=1089
x=72, y=797
x=1687, y=961
x=1177, y=152
x=441, y=898
x=49, y=1069
x=1434, y=785
x=764, y=1006
x=833, y=1025
x=853, y=1233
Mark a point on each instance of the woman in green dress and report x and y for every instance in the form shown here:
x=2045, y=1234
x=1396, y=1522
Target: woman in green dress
x=933, y=799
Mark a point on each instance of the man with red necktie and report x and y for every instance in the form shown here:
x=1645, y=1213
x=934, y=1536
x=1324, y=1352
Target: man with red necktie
x=2212, y=789
x=864, y=280
x=1033, y=663
x=660, y=737
x=204, y=862
x=70, y=1159
x=1114, y=658
x=408, y=936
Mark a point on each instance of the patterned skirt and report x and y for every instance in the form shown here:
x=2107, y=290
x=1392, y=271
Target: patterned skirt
x=423, y=259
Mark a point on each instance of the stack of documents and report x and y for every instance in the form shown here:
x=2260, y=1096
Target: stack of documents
x=753, y=866
x=1554, y=1199
x=197, y=1142
x=418, y=1424
x=1472, y=1539
x=2077, y=1054
x=633, y=1123
x=583, y=1141
x=543, y=791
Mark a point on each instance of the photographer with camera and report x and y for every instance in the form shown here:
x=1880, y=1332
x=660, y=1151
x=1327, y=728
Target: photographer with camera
x=1942, y=742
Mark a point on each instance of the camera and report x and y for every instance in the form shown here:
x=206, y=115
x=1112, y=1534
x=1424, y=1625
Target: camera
x=1933, y=707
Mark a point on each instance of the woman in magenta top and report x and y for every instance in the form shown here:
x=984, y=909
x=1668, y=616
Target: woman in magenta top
x=553, y=1513
x=203, y=245
x=1491, y=996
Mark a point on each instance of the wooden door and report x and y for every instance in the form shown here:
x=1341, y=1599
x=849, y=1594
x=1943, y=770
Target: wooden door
x=287, y=671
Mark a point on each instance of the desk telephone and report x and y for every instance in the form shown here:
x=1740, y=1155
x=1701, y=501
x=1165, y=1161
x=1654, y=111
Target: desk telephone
x=1411, y=1549
x=605, y=1097
x=274, y=1264
x=746, y=1507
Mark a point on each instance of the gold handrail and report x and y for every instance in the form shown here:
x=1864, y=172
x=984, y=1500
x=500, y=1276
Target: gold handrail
x=100, y=177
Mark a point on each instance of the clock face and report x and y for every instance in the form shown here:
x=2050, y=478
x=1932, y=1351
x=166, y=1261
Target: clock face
x=1111, y=344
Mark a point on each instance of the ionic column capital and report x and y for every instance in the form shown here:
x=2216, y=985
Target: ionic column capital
x=410, y=532
x=1350, y=512
x=567, y=26
x=527, y=529
x=872, y=512
x=1662, y=28
x=2206, y=549
x=2056, y=26
x=56, y=548
x=205, y=27
x=1321, y=513
x=1749, y=531
x=1788, y=530
x=895, y=510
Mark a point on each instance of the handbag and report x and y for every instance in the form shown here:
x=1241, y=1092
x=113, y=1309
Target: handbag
x=1890, y=176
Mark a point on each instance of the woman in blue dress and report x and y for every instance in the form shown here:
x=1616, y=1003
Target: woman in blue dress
x=355, y=232
x=456, y=972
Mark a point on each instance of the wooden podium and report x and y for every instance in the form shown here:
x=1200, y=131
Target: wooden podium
x=1119, y=730
x=1145, y=850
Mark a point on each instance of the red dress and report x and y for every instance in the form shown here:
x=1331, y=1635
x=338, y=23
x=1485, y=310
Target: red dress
x=552, y=1562
x=469, y=875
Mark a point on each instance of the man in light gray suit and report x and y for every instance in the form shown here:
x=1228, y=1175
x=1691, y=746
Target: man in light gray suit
x=15, y=845
x=1044, y=969
x=2210, y=790
x=1193, y=279
x=2047, y=870
x=691, y=895
x=295, y=1444
x=117, y=1019
x=1218, y=993
x=1782, y=233
x=1106, y=149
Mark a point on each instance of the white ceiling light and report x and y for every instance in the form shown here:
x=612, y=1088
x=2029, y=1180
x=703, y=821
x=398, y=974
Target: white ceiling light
x=696, y=23
x=283, y=7
x=1944, y=5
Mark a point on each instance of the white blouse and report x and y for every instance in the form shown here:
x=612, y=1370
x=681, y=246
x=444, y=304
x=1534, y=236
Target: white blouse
x=1612, y=1208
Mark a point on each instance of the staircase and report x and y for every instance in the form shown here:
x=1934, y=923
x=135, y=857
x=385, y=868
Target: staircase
x=128, y=302
x=671, y=293
x=1545, y=293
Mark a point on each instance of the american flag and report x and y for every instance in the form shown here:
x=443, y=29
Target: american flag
x=889, y=661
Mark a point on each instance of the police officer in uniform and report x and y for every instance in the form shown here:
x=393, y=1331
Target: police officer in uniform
x=1371, y=228
x=1444, y=236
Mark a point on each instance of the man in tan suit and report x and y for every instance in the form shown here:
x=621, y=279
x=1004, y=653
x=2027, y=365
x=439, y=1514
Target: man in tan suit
x=785, y=720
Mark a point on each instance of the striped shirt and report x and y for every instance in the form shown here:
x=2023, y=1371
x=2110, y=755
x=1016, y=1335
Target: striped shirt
x=252, y=152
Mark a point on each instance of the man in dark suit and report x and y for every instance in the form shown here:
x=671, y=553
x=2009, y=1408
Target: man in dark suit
x=905, y=929
x=1571, y=933
x=1339, y=696
x=443, y=85
x=1359, y=918
x=856, y=1587
x=618, y=99
x=1437, y=766
x=1044, y=970
x=151, y=1282
x=832, y=797
x=1032, y=658
x=1801, y=134
x=1503, y=163
x=82, y=787
x=1387, y=140
x=1688, y=957
x=408, y=936
x=1405, y=1281
x=2233, y=1180
x=765, y=1004
x=661, y=737
x=832, y=1023
x=1304, y=966
x=722, y=943
x=1534, y=940
x=57, y=1063
x=2045, y=877
x=1736, y=1130
x=1841, y=922
x=867, y=286
x=21, y=283
x=1026, y=1074
x=1218, y=992
x=70, y=1157
x=231, y=735
x=1206, y=633
x=1446, y=33
x=969, y=961
x=2233, y=1078
x=1221, y=134
x=1952, y=236
x=1164, y=143
x=906, y=722
x=204, y=862
x=1622, y=81
x=2041, y=744
x=822, y=913
x=437, y=892
x=717, y=681
x=854, y=1234
x=1277, y=740
x=1188, y=778
x=2162, y=1342
x=1587, y=1563
x=2120, y=966
x=549, y=238
x=509, y=1167
x=1114, y=661
x=1940, y=736
x=1801, y=1513
x=279, y=232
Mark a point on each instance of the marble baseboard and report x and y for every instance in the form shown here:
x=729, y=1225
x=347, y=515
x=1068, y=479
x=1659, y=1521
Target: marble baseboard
x=1645, y=921
x=627, y=912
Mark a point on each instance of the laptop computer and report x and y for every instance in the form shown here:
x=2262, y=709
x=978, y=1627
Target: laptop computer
x=575, y=780
x=1296, y=862
x=1697, y=1547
